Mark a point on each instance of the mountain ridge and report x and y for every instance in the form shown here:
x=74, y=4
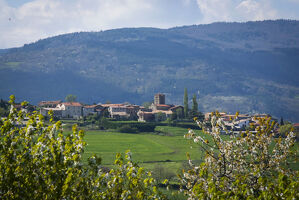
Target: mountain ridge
x=251, y=67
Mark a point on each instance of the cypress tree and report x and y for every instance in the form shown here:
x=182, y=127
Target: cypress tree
x=186, y=108
x=194, y=104
x=281, y=121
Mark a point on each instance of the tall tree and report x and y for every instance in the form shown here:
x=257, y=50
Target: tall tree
x=147, y=104
x=70, y=98
x=186, y=107
x=180, y=113
x=194, y=104
x=281, y=121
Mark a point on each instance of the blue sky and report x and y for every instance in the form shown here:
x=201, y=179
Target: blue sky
x=26, y=21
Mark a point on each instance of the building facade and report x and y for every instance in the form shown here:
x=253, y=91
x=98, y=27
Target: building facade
x=159, y=99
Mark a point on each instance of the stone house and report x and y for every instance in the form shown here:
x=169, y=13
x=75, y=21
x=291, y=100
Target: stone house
x=70, y=109
x=91, y=110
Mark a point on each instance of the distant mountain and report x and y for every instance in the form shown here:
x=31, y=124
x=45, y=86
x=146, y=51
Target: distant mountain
x=250, y=67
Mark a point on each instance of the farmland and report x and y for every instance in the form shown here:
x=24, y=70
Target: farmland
x=168, y=148
x=162, y=151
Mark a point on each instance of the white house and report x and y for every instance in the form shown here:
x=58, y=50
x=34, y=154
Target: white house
x=70, y=109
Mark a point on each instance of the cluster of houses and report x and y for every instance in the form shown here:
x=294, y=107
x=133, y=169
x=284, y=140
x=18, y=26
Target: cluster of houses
x=157, y=111
x=241, y=122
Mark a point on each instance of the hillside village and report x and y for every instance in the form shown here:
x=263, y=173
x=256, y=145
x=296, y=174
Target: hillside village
x=156, y=112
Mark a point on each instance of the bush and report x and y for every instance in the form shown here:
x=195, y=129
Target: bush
x=38, y=162
x=248, y=166
x=127, y=129
x=145, y=127
x=140, y=126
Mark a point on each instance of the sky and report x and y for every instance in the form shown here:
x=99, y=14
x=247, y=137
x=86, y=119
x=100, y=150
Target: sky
x=26, y=21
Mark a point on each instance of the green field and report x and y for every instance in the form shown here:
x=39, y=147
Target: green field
x=164, y=152
x=146, y=147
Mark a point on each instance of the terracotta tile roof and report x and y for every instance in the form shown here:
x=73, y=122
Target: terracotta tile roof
x=296, y=125
x=163, y=105
x=71, y=104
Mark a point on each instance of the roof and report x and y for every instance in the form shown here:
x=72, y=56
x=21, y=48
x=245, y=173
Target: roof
x=112, y=105
x=72, y=104
x=49, y=102
x=175, y=107
x=296, y=125
x=163, y=105
x=91, y=106
x=51, y=109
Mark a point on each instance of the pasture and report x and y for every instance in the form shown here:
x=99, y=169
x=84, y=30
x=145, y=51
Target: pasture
x=163, y=151
x=167, y=149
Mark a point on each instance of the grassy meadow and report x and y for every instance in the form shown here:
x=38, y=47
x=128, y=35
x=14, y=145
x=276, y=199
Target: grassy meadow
x=167, y=149
x=162, y=151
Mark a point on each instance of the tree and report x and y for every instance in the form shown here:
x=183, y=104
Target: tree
x=186, y=107
x=70, y=98
x=281, y=121
x=252, y=165
x=4, y=108
x=194, y=111
x=38, y=161
x=174, y=116
x=285, y=129
x=160, y=116
x=147, y=104
x=194, y=104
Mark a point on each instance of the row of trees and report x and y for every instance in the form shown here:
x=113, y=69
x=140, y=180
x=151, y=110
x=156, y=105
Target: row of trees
x=193, y=112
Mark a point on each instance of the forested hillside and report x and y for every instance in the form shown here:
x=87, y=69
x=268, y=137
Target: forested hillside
x=250, y=67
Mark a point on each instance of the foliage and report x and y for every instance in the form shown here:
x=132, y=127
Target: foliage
x=194, y=104
x=180, y=113
x=160, y=116
x=70, y=98
x=249, y=166
x=160, y=173
x=4, y=108
x=147, y=104
x=3, y=112
x=104, y=123
x=139, y=126
x=38, y=162
x=285, y=129
x=281, y=121
x=186, y=103
x=127, y=129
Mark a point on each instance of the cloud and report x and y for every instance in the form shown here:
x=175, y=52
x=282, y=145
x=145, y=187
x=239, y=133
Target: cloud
x=28, y=21
x=236, y=10
x=42, y=18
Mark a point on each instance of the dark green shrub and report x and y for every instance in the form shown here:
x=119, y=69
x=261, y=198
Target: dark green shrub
x=127, y=129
